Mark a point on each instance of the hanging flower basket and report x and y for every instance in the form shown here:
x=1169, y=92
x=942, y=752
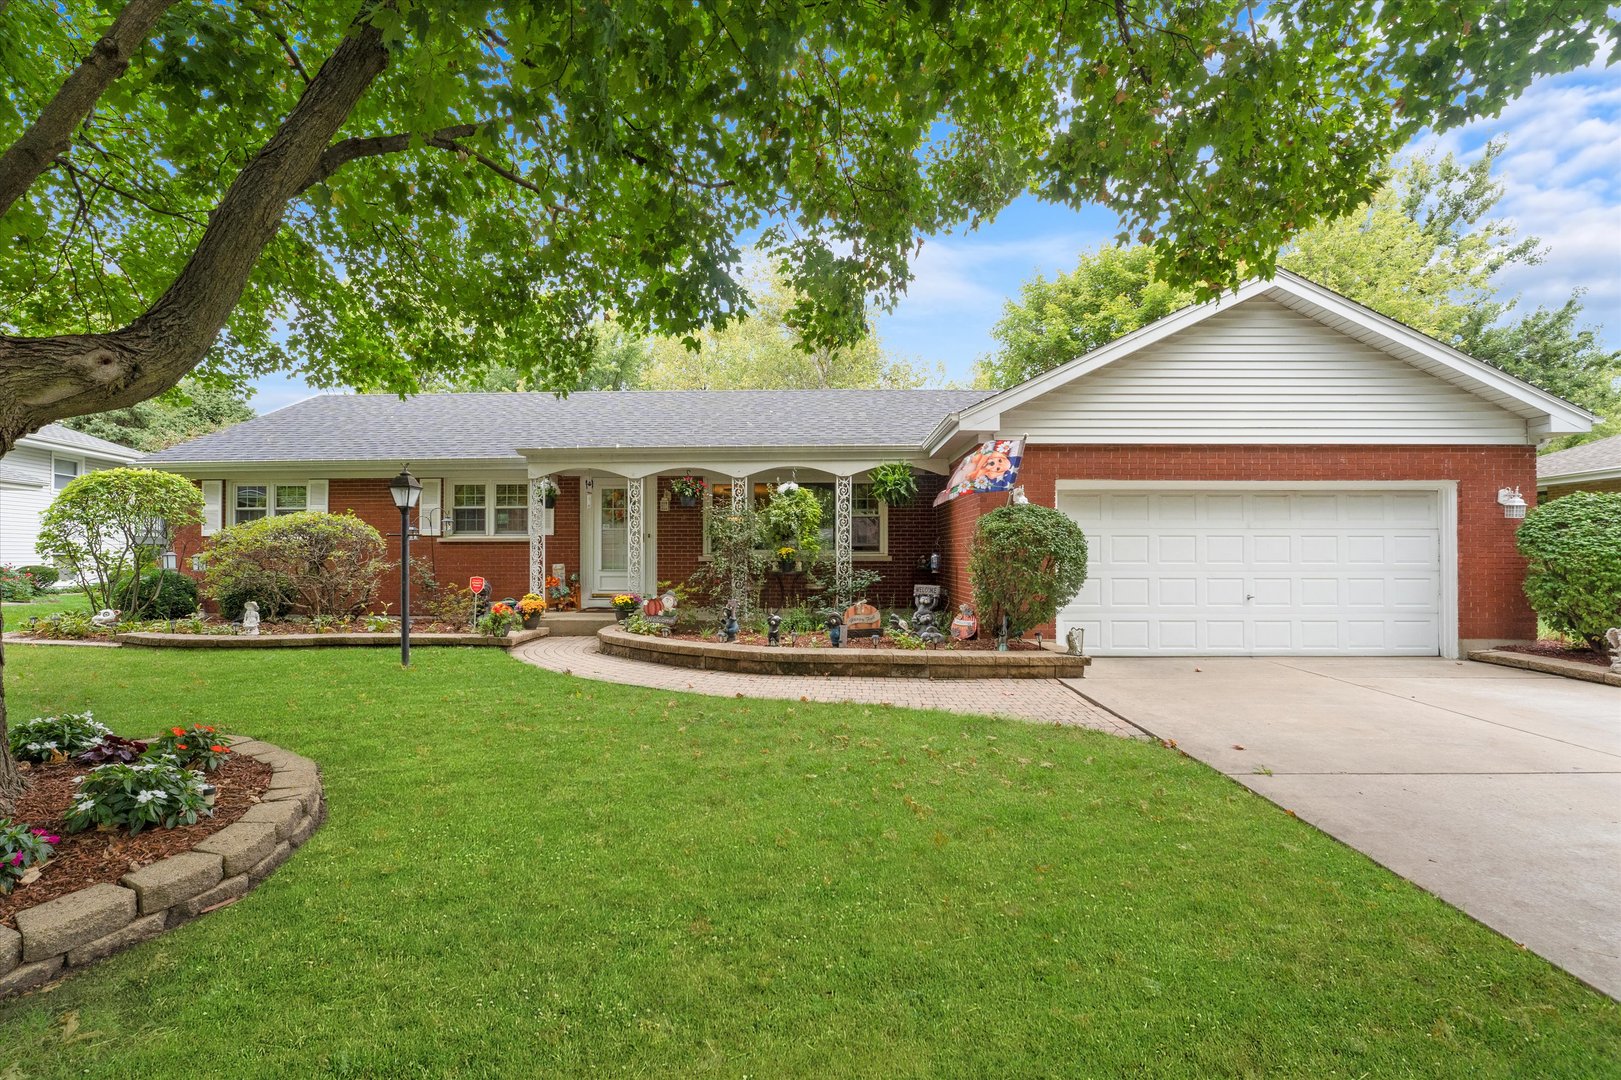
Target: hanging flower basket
x=894, y=484
x=548, y=494
x=688, y=489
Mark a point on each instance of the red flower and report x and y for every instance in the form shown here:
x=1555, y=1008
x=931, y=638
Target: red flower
x=219, y=749
x=178, y=730
x=181, y=746
x=208, y=729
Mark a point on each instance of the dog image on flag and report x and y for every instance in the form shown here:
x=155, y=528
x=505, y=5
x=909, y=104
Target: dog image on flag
x=994, y=466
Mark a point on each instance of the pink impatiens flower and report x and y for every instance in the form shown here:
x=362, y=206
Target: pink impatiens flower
x=17, y=859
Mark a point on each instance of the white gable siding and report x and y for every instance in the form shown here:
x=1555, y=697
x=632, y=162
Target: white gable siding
x=26, y=490
x=1262, y=373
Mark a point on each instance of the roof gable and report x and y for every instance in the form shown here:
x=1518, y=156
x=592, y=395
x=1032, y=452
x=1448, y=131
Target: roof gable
x=1542, y=412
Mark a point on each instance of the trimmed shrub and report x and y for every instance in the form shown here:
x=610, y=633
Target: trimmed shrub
x=17, y=585
x=1574, y=577
x=313, y=563
x=164, y=594
x=1025, y=562
x=44, y=576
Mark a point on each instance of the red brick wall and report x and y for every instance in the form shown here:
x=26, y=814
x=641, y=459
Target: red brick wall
x=1491, y=601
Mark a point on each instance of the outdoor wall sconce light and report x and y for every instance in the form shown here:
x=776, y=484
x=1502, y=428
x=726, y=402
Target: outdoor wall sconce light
x=1512, y=502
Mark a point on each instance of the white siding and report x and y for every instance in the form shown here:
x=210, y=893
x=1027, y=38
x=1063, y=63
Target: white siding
x=25, y=492
x=1261, y=373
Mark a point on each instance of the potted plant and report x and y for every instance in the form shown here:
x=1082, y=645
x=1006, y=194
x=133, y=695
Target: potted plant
x=625, y=604
x=548, y=492
x=688, y=489
x=500, y=621
x=786, y=557
x=894, y=483
x=531, y=607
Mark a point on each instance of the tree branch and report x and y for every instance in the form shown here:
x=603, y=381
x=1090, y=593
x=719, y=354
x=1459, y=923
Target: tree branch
x=47, y=137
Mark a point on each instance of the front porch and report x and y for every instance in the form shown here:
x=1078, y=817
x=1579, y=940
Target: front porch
x=617, y=518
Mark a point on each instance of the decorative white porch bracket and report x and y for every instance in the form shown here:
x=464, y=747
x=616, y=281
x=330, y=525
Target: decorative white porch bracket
x=843, y=557
x=537, y=533
x=742, y=495
x=634, y=487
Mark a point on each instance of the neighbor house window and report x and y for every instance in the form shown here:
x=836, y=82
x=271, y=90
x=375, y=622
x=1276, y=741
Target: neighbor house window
x=255, y=501
x=64, y=471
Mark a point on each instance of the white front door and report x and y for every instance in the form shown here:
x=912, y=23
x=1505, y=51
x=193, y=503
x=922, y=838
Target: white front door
x=611, y=552
x=1249, y=572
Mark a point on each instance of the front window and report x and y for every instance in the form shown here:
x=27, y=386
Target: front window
x=255, y=501
x=512, y=509
x=64, y=471
x=467, y=511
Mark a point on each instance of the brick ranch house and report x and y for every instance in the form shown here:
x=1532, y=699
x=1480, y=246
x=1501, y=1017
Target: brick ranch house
x=1280, y=471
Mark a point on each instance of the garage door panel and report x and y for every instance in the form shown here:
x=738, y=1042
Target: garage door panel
x=1273, y=572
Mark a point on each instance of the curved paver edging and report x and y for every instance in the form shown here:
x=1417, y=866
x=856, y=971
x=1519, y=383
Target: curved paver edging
x=89, y=924
x=1552, y=665
x=855, y=660
x=156, y=640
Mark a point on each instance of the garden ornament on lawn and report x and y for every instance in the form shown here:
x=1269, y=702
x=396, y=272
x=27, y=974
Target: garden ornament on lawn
x=1612, y=638
x=1018, y=498
x=729, y=628
x=250, y=618
x=923, y=626
x=835, y=628
x=773, y=629
x=1077, y=641
x=104, y=617
x=965, y=627
x=861, y=619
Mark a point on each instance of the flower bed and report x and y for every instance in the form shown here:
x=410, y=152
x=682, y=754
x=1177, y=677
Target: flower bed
x=859, y=660
x=104, y=890
x=215, y=633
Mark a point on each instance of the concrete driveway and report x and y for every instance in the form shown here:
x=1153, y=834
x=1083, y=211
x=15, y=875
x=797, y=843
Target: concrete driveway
x=1496, y=789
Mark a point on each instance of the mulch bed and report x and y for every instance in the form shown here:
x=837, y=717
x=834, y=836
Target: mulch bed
x=1560, y=650
x=819, y=641
x=92, y=857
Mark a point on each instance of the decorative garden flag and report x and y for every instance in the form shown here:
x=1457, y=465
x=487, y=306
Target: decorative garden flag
x=992, y=467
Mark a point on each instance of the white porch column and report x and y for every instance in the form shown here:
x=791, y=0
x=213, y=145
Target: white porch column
x=537, y=533
x=635, y=532
x=742, y=496
x=843, y=557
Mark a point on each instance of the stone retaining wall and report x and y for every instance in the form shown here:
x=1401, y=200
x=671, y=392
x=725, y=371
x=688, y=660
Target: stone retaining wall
x=1552, y=665
x=91, y=923
x=855, y=660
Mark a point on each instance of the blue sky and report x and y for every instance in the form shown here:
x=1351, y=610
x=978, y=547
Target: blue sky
x=1562, y=180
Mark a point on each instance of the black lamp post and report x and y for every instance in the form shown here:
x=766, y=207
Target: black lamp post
x=407, y=490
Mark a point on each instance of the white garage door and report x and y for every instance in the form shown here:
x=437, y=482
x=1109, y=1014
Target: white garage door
x=1304, y=572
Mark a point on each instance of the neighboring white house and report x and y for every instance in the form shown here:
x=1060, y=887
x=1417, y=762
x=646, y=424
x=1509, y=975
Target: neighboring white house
x=30, y=476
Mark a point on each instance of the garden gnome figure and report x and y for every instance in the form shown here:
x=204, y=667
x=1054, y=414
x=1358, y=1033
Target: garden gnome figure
x=773, y=623
x=250, y=618
x=729, y=629
x=1612, y=638
x=835, y=628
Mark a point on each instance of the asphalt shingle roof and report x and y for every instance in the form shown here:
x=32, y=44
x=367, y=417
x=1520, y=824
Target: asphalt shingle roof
x=377, y=427
x=66, y=436
x=1588, y=457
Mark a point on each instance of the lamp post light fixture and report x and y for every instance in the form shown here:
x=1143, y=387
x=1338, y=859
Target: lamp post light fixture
x=407, y=491
x=170, y=561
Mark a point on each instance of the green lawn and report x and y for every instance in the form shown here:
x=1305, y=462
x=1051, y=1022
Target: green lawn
x=49, y=604
x=525, y=874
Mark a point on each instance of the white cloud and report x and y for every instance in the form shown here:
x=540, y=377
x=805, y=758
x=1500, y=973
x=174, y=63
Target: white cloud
x=961, y=275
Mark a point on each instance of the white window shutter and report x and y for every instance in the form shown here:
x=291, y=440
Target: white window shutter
x=213, y=506
x=430, y=514
x=316, y=497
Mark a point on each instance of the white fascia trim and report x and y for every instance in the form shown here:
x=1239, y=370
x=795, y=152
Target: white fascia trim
x=1446, y=498
x=340, y=470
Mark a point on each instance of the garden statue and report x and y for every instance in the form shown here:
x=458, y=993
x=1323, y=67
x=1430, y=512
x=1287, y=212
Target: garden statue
x=773, y=628
x=965, y=627
x=1077, y=641
x=1612, y=638
x=861, y=619
x=250, y=618
x=835, y=626
x=1018, y=497
x=729, y=629
x=104, y=617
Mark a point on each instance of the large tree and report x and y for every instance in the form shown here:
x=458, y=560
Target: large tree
x=418, y=186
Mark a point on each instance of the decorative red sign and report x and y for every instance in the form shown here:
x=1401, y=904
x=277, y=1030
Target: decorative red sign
x=476, y=584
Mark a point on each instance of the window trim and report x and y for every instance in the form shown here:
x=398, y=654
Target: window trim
x=548, y=521
x=79, y=469
x=880, y=555
x=233, y=506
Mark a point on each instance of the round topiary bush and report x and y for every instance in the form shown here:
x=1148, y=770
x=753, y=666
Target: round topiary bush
x=164, y=594
x=1574, y=577
x=1025, y=562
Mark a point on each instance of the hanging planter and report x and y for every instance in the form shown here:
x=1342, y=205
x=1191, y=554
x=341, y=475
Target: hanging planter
x=894, y=484
x=688, y=490
x=548, y=493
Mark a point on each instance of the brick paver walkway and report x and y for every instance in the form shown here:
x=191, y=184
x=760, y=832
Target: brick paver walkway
x=1042, y=700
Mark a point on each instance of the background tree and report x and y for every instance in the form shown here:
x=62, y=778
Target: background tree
x=1424, y=252
x=190, y=409
x=408, y=184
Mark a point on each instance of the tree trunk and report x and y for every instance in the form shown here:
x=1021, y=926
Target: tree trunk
x=50, y=378
x=48, y=137
x=11, y=779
